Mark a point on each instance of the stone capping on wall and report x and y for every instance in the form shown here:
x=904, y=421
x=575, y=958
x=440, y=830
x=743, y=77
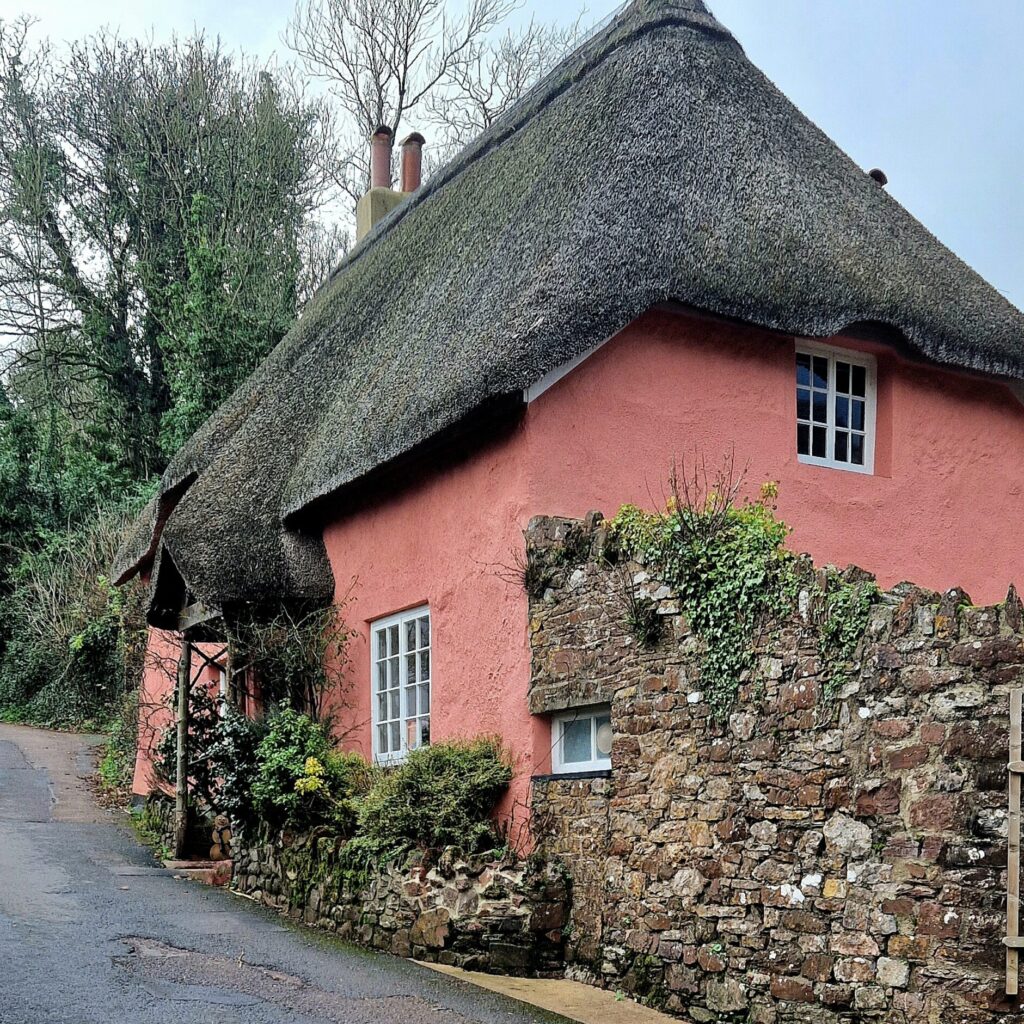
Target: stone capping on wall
x=501, y=916
x=810, y=859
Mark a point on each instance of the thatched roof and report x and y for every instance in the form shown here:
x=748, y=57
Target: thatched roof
x=655, y=164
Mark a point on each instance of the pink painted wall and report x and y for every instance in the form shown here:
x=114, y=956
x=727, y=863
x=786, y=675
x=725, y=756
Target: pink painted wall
x=163, y=649
x=939, y=510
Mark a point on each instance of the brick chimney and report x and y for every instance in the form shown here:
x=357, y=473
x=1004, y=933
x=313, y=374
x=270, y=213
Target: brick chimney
x=381, y=198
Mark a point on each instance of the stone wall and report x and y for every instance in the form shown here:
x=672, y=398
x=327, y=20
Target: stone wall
x=505, y=917
x=813, y=858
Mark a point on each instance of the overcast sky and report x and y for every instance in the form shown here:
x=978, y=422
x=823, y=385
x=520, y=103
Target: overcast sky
x=931, y=91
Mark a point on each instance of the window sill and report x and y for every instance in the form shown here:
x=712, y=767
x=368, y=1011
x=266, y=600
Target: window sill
x=596, y=773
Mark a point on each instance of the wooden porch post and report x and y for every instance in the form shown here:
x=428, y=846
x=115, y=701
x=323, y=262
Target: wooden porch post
x=181, y=785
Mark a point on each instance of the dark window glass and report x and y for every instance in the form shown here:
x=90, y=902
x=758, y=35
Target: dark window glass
x=857, y=420
x=803, y=404
x=821, y=372
x=858, y=381
x=820, y=448
x=803, y=439
x=842, y=412
x=841, y=437
x=803, y=369
x=820, y=406
x=857, y=449
x=843, y=377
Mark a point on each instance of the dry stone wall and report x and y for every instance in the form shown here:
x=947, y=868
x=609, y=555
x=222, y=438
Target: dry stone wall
x=812, y=858
x=505, y=917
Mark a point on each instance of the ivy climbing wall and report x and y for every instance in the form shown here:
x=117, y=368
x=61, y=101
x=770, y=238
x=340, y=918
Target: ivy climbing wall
x=828, y=846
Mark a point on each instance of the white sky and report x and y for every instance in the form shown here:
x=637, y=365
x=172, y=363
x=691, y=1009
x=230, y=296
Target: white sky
x=931, y=91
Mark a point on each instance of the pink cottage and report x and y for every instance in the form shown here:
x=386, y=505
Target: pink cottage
x=653, y=254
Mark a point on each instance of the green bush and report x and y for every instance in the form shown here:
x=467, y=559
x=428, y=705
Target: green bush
x=439, y=796
x=301, y=780
x=117, y=765
x=233, y=763
x=71, y=642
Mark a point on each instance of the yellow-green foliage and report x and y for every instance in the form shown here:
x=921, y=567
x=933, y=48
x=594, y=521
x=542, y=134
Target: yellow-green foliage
x=729, y=566
x=734, y=576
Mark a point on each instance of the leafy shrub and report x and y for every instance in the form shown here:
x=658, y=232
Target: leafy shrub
x=117, y=764
x=301, y=780
x=203, y=734
x=233, y=764
x=72, y=643
x=441, y=795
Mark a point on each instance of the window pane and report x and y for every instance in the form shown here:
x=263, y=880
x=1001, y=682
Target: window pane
x=410, y=668
x=412, y=733
x=803, y=368
x=392, y=672
x=858, y=381
x=395, y=733
x=820, y=372
x=820, y=407
x=393, y=639
x=424, y=664
x=382, y=739
x=857, y=449
x=424, y=700
x=394, y=706
x=803, y=439
x=425, y=732
x=382, y=675
x=410, y=635
x=858, y=415
x=842, y=412
x=576, y=741
x=842, y=377
x=603, y=736
x=803, y=404
x=841, y=437
x=819, y=448
x=382, y=707
x=425, y=631
x=382, y=643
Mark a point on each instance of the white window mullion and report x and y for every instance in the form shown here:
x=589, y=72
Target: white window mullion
x=851, y=359
x=830, y=413
x=391, y=648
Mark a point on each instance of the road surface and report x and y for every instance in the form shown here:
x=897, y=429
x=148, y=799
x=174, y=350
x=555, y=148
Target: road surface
x=93, y=931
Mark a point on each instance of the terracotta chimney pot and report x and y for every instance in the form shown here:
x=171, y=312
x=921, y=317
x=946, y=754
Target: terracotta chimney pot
x=412, y=161
x=380, y=158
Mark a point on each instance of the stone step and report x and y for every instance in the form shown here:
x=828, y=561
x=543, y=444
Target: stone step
x=209, y=872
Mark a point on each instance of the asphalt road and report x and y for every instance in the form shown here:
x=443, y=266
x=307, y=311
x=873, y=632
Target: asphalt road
x=92, y=929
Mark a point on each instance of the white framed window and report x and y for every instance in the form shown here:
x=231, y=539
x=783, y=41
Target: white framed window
x=400, y=682
x=582, y=740
x=835, y=407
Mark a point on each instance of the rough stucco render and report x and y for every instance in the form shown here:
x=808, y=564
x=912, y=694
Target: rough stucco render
x=939, y=510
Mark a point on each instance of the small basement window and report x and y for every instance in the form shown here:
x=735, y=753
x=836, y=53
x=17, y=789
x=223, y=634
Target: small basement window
x=582, y=740
x=835, y=408
x=400, y=654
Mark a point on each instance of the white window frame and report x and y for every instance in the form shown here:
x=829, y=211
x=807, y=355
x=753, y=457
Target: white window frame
x=377, y=626
x=854, y=358
x=559, y=766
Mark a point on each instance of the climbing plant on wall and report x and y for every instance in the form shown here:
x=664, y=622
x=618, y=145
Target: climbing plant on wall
x=726, y=559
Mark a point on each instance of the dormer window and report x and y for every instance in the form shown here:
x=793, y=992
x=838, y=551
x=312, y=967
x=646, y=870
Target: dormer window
x=835, y=408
